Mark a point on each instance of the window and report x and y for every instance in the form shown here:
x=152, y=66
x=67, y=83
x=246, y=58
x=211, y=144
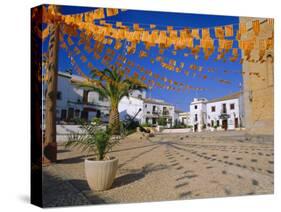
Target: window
x=232, y=106
x=154, y=110
x=165, y=111
x=212, y=123
x=98, y=114
x=145, y=106
x=196, y=117
x=70, y=113
x=58, y=95
x=224, y=108
x=195, y=107
x=213, y=108
x=63, y=115
x=218, y=123
x=147, y=120
x=77, y=113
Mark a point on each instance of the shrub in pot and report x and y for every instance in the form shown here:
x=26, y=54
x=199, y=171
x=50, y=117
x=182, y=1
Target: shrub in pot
x=100, y=170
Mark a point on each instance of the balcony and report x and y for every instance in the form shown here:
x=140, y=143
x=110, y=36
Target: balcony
x=165, y=113
x=155, y=112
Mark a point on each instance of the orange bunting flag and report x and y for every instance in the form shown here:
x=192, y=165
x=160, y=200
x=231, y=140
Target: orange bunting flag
x=228, y=30
x=219, y=32
x=270, y=21
x=117, y=45
x=119, y=24
x=136, y=26
x=256, y=27
x=189, y=43
x=111, y=11
x=195, y=33
x=102, y=22
x=162, y=39
x=70, y=42
x=83, y=58
x=172, y=62
x=169, y=28
x=45, y=33
x=161, y=51
x=143, y=54
x=261, y=54
x=205, y=33
x=269, y=43
x=152, y=26
x=98, y=14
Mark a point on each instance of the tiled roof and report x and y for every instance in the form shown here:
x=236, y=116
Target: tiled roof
x=228, y=97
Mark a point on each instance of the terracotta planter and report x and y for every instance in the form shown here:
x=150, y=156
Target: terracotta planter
x=100, y=174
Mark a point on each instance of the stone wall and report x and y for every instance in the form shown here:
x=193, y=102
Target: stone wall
x=259, y=91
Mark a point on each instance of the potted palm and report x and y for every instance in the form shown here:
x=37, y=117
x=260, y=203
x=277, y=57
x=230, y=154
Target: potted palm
x=100, y=169
x=113, y=85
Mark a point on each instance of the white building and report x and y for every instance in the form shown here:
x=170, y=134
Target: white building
x=184, y=118
x=198, y=114
x=221, y=113
x=146, y=110
x=73, y=102
x=157, y=108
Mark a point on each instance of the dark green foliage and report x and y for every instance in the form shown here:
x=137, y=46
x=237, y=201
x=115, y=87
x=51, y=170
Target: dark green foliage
x=162, y=121
x=93, y=138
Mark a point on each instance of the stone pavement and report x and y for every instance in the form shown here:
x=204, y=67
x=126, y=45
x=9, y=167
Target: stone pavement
x=168, y=167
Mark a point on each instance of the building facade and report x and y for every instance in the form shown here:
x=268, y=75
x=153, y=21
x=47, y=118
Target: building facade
x=76, y=103
x=147, y=110
x=218, y=114
x=224, y=113
x=184, y=118
x=198, y=114
x=258, y=88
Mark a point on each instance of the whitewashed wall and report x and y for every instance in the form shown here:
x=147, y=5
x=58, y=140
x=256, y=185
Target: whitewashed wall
x=130, y=106
x=233, y=113
x=201, y=112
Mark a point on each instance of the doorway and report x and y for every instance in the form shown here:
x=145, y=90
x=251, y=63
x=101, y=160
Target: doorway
x=195, y=127
x=224, y=124
x=236, y=122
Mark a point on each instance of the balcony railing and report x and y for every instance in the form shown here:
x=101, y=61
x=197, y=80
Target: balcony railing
x=155, y=112
x=165, y=113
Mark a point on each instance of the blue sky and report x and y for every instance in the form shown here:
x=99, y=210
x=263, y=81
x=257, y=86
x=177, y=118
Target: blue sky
x=179, y=20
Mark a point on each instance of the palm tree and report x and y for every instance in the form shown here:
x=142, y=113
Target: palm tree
x=114, y=86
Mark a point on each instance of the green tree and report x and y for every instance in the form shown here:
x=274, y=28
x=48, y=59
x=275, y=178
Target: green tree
x=162, y=121
x=114, y=86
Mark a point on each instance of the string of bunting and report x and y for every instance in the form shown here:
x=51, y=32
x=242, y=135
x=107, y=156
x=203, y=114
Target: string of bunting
x=108, y=58
x=192, y=67
x=165, y=39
